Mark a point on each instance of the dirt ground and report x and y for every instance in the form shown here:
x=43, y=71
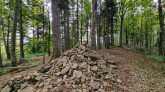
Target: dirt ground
x=136, y=72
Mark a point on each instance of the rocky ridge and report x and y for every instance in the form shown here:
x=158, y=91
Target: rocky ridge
x=80, y=69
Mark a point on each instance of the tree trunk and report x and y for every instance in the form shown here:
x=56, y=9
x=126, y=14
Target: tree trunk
x=161, y=23
x=68, y=34
x=126, y=36
x=43, y=29
x=7, y=42
x=56, y=28
x=107, y=37
x=93, y=31
x=49, y=36
x=66, y=31
x=13, y=35
x=0, y=57
x=21, y=31
x=121, y=30
x=87, y=26
x=112, y=32
x=77, y=22
x=146, y=39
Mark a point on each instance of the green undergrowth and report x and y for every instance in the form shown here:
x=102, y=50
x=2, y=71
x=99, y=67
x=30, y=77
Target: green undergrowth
x=30, y=63
x=155, y=57
x=149, y=54
x=4, y=71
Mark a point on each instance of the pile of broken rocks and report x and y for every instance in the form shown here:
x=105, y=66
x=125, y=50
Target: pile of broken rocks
x=80, y=69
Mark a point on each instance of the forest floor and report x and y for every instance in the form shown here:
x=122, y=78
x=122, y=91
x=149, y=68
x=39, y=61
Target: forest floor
x=137, y=72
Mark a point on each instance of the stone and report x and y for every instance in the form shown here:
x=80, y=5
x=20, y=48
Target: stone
x=44, y=68
x=92, y=56
x=7, y=88
x=23, y=85
x=111, y=62
x=77, y=74
x=113, y=66
x=94, y=85
x=94, y=68
x=78, y=70
x=41, y=84
x=74, y=66
x=85, y=90
x=108, y=76
x=62, y=61
x=28, y=89
x=119, y=81
x=83, y=78
x=82, y=65
x=65, y=70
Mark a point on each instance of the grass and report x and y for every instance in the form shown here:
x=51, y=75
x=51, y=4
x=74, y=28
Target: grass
x=4, y=71
x=149, y=54
x=30, y=63
x=155, y=56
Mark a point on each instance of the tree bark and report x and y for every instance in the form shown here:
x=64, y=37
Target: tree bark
x=161, y=23
x=121, y=31
x=77, y=22
x=112, y=32
x=0, y=57
x=49, y=36
x=21, y=31
x=56, y=28
x=126, y=36
x=87, y=26
x=93, y=31
x=7, y=42
x=66, y=31
x=13, y=35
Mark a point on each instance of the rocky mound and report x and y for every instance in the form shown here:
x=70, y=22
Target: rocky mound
x=80, y=69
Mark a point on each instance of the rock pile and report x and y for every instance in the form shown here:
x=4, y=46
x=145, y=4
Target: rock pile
x=80, y=69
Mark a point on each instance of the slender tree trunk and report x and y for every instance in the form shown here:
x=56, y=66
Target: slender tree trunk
x=7, y=42
x=5, y=39
x=77, y=22
x=81, y=31
x=0, y=57
x=99, y=36
x=112, y=32
x=107, y=33
x=56, y=28
x=44, y=41
x=126, y=36
x=66, y=31
x=49, y=36
x=68, y=34
x=121, y=30
x=146, y=39
x=21, y=31
x=38, y=38
x=161, y=23
x=87, y=26
x=93, y=31
x=34, y=44
x=13, y=35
